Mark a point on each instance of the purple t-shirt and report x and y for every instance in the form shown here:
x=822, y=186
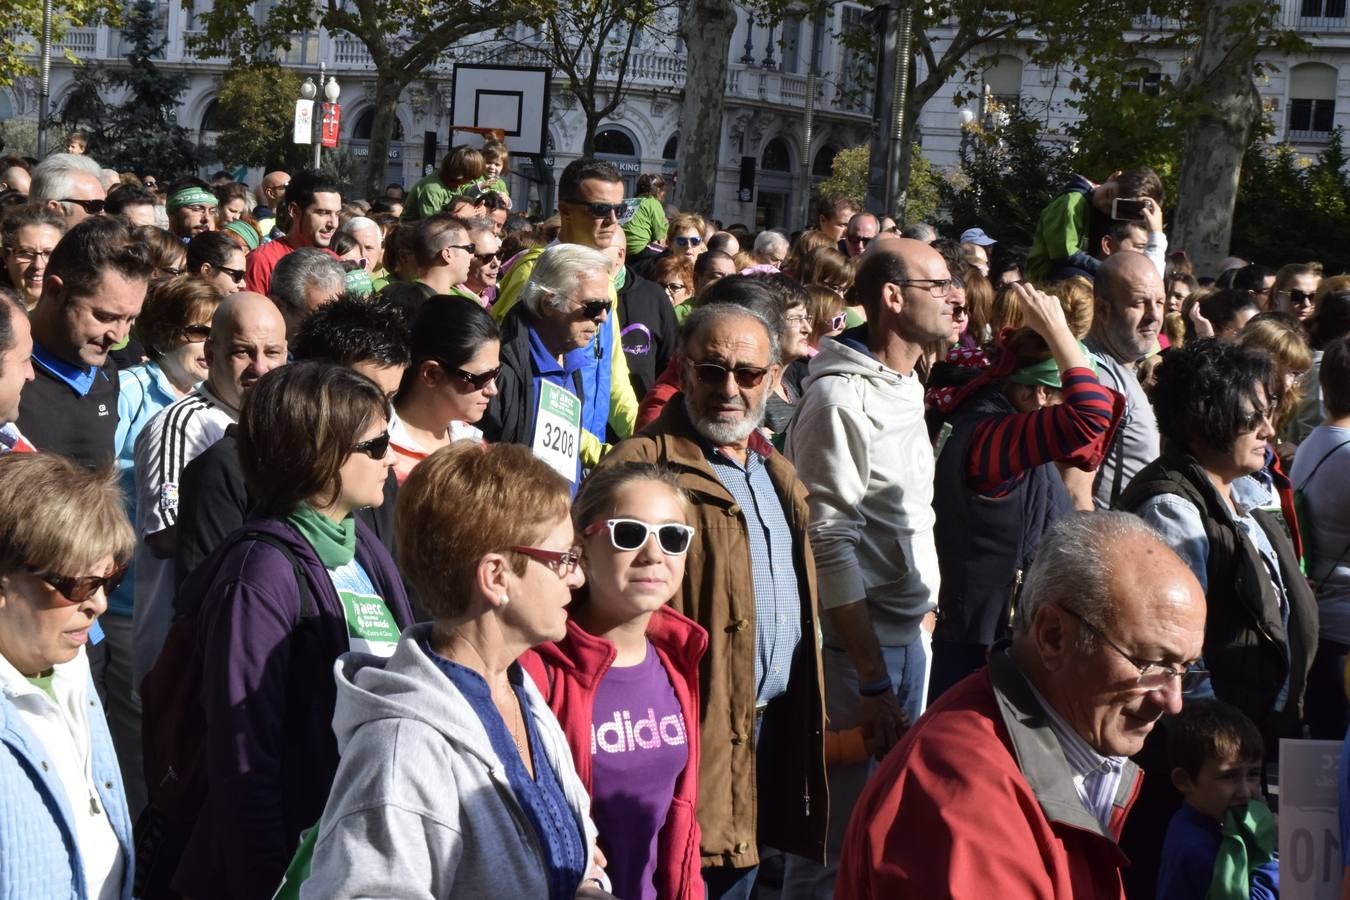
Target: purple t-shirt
x=639, y=748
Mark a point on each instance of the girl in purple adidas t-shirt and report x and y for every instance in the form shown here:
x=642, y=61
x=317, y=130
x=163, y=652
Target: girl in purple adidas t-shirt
x=624, y=682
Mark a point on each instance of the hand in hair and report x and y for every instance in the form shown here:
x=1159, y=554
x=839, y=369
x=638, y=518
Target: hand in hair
x=1204, y=328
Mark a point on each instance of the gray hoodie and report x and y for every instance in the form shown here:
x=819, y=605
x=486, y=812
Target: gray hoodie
x=861, y=447
x=421, y=805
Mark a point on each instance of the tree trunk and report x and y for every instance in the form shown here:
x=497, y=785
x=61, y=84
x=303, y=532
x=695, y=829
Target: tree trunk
x=706, y=27
x=592, y=125
x=388, y=87
x=1219, y=87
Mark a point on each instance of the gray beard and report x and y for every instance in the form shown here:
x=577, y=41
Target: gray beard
x=721, y=434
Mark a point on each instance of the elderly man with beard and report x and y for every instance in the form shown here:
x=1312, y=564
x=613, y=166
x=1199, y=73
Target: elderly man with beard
x=751, y=583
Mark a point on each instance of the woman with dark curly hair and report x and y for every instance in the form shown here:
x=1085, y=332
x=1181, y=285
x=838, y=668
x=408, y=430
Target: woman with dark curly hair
x=1214, y=402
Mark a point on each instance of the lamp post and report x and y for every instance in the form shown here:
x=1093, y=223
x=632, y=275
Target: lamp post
x=328, y=118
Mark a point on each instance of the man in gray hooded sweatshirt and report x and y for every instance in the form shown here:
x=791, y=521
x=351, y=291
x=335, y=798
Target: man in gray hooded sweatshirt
x=860, y=446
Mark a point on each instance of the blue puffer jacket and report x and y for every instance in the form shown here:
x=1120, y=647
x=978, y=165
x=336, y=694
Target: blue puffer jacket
x=38, y=854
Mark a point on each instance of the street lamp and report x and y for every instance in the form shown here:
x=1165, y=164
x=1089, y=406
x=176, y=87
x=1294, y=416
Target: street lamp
x=330, y=113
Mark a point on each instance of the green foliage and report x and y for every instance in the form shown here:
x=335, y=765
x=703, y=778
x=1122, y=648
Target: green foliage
x=848, y=175
x=1122, y=127
x=141, y=134
x=22, y=32
x=1294, y=209
x=18, y=137
x=1006, y=178
x=257, y=103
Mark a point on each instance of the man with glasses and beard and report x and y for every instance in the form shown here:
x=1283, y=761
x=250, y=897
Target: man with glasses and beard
x=751, y=584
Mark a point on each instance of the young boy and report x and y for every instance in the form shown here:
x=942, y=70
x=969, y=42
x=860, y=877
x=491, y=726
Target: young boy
x=1221, y=843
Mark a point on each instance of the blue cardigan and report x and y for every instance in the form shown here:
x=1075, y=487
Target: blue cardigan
x=39, y=858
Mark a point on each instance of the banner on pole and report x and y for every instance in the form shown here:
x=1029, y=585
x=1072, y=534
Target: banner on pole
x=332, y=122
x=304, y=122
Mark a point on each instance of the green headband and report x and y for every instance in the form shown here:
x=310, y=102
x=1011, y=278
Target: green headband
x=246, y=232
x=1046, y=372
x=191, y=196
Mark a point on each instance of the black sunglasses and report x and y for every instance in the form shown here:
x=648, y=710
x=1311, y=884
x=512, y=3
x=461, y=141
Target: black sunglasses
x=1300, y=298
x=236, y=275
x=196, y=333
x=93, y=207
x=479, y=380
x=375, y=448
x=487, y=258
x=622, y=211
x=631, y=534
x=714, y=374
x=467, y=248
x=592, y=309
x=79, y=589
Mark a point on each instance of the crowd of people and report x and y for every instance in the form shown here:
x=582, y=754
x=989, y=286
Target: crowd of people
x=420, y=547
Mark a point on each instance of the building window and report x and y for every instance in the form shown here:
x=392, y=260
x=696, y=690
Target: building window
x=823, y=167
x=613, y=142
x=791, y=46
x=857, y=66
x=1004, y=80
x=365, y=123
x=1323, y=9
x=1312, y=102
x=672, y=147
x=776, y=158
x=1146, y=80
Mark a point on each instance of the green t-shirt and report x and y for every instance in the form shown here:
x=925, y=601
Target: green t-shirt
x=648, y=224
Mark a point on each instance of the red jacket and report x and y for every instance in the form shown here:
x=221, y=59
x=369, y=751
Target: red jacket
x=658, y=395
x=568, y=674
x=977, y=801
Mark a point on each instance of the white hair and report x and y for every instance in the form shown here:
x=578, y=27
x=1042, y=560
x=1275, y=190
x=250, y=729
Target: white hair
x=356, y=223
x=109, y=177
x=768, y=241
x=556, y=275
x=53, y=177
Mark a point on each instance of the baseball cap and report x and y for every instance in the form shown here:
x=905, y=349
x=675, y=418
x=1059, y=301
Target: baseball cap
x=976, y=236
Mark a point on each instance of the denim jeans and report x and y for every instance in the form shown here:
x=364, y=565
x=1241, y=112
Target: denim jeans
x=805, y=879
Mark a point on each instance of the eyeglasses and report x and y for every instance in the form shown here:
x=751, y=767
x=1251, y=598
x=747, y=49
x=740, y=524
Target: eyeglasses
x=959, y=312
x=689, y=241
x=622, y=211
x=797, y=319
x=839, y=321
x=467, y=248
x=714, y=374
x=1153, y=676
x=858, y=239
x=938, y=287
x=479, y=380
x=487, y=259
x=170, y=270
x=236, y=275
x=375, y=448
x=593, y=309
x=673, y=287
x=631, y=534
x=1298, y=298
x=562, y=562
x=93, y=207
x=196, y=333
x=1249, y=422
x=27, y=255
x=79, y=589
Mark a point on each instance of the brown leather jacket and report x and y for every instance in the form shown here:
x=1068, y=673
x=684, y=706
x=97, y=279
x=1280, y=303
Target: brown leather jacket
x=777, y=795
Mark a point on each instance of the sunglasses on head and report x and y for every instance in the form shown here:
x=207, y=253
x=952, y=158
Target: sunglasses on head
x=375, y=448
x=479, y=380
x=592, y=309
x=79, y=589
x=713, y=374
x=93, y=207
x=631, y=534
x=689, y=241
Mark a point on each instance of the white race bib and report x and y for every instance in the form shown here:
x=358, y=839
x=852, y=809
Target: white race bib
x=557, y=429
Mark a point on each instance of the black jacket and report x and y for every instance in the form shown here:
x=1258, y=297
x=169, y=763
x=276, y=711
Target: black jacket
x=644, y=303
x=510, y=415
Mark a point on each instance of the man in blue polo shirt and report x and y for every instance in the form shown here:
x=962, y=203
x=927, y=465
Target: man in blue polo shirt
x=92, y=291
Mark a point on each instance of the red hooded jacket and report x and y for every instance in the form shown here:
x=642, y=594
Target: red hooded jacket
x=568, y=674
x=977, y=801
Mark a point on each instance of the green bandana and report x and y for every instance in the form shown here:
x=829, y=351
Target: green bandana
x=334, y=542
x=620, y=279
x=1046, y=372
x=1248, y=843
x=191, y=196
x=246, y=232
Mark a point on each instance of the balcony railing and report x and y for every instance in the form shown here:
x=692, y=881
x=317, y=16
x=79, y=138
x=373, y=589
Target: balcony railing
x=1299, y=136
x=82, y=42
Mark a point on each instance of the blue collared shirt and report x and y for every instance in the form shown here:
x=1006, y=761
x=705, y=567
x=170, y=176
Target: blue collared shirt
x=1096, y=778
x=545, y=367
x=778, y=600
x=79, y=378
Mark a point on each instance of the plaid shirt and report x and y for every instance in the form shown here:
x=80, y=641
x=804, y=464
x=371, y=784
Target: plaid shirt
x=778, y=599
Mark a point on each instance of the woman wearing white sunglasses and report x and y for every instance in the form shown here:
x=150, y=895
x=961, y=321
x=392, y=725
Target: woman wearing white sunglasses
x=624, y=681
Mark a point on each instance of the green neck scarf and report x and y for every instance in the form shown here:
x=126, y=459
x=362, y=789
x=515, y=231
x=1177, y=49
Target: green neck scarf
x=620, y=279
x=334, y=542
x=1248, y=842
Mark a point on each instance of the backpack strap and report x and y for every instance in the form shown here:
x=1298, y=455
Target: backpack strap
x=1326, y=457
x=309, y=607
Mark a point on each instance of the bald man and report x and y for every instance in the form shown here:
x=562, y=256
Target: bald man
x=1021, y=773
x=248, y=340
x=1127, y=312
x=15, y=178
x=862, y=450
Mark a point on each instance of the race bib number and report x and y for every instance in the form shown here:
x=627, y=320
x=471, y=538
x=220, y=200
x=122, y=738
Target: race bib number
x=557, y=429
x=370, y=625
